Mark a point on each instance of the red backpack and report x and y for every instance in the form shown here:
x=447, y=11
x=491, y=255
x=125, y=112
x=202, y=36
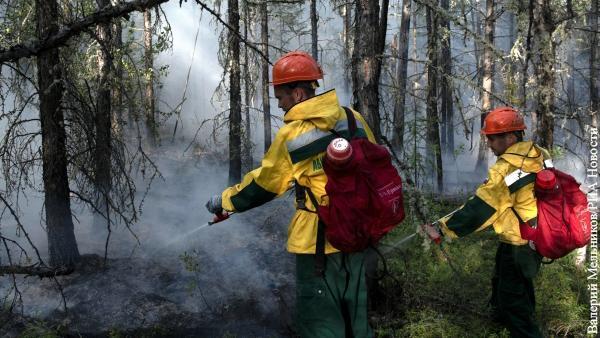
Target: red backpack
x=564, y=220
x=365, y=196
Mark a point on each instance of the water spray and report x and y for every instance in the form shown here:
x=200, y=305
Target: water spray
x=399, y=243
x=217, y=219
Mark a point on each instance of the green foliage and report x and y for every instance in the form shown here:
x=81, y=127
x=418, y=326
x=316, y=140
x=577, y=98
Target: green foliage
x=115, y=333
x=561, y=298
x=430, y=323
x=460, y=149
x=227, y=334
x=17, y=24
x=39, y=329
x=557, y=152
x=190, y=262
x=445, y=294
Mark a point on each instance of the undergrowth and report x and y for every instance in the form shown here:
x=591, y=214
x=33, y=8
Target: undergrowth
x=431, y=293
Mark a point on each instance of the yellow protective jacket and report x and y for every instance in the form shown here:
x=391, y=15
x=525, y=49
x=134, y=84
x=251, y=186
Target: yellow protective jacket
x=296, y=154
x=509, y=184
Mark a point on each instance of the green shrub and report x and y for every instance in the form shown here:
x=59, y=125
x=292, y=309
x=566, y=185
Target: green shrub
x=445, y=294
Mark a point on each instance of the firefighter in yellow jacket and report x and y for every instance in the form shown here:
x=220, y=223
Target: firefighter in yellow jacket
x=506, y=195
x=334, y=304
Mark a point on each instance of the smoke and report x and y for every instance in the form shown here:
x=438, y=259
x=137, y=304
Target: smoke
x=243, y=257
x=247, y=250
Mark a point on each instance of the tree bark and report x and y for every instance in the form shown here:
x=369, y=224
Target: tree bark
x=369, y=43
x=544, y=58
x=348, y=45
x=235, y=114
x=62, y=245
x=487, y=79
x=266, y=103
x=102, y=119
x=149, y=100
x=401, y=74
x=446, y=82
x=488, y=57
x=313, y=29
x=433, y=132
x=511, y=91
x=571, y=104
x=117, y=91
x=247, y=92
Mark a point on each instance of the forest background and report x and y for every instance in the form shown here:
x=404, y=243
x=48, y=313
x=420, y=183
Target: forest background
x=120, y=118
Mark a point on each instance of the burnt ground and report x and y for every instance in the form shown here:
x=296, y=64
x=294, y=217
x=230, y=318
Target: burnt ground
x=243, y=288
x=234, y=279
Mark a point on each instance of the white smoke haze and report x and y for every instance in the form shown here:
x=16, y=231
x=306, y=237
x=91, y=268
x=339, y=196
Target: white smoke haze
x=242, y=274
x=239, y=264
x=242, y=265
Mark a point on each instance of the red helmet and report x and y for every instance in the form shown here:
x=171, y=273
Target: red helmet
x=296, y=66
x=502, y=120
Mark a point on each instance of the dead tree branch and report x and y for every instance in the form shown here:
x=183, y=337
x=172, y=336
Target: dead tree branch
x=34, y=47
x=35, y=270
x=224, y=23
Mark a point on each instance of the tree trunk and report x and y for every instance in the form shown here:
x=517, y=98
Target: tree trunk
x=264, y=25
x=369, y=43
x=571, y=104
x=102, y=121
x=594, y=55
x=235, y=99
x=149, y=100
x=487, y=80
x=526, y=6
x=401, y=73
x=433, y=132
x=511, y=91
x=247, y=93
x=118, y=108
x=117, y=91
x=414, y=90
x=544, y=57
x=348, y=45
x=313, y=29
x=446, y=82
x=488, y=57
x=62, y=245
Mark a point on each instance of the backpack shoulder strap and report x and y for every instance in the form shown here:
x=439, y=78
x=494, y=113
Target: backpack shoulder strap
x=351, y=122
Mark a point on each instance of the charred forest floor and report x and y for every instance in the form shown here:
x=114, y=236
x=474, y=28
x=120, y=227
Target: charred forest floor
x=236, y=288
x=233, y=279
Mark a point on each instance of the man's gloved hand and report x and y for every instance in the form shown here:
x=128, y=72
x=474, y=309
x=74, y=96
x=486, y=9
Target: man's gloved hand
x=214, y=205
x=433, y=232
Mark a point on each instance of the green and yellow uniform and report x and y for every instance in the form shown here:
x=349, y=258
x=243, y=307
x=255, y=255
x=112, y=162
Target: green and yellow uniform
x=508, y=190
x=326, y=305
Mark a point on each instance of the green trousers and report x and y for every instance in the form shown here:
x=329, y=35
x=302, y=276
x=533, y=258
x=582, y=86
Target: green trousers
x=334, y=305
x=513, y=296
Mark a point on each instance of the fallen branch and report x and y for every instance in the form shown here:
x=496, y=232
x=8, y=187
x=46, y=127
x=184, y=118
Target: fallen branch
x=35, y=270
x=35, y=47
